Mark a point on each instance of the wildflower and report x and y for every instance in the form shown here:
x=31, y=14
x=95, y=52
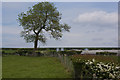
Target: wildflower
x=111, y=75
x=93, y=60
x=90, y=63
x=117, y=67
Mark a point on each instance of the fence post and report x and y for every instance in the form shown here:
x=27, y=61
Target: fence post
x=67, y=62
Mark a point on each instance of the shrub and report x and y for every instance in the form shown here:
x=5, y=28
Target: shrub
x=50, y=53
x=70, y=52
x=94, y=69
x=106, y=53
x=3, y=52
x=23, y=52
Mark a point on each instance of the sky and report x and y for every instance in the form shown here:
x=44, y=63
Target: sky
x=93, y=24
x=60, y=0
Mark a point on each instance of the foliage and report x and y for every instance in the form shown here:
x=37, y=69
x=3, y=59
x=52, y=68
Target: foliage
x=8, y=52
x=95, y=69
x=54, y=52
x=3, y=52
x=41, y=20
x=106, y=53
x=100, y=58
x=70, y=52
x=64, y=48
x=94, y=48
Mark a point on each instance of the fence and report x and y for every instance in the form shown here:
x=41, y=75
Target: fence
x=65, y=60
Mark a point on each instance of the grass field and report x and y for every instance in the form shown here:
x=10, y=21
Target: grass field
x=0, y=67
x=33, y=67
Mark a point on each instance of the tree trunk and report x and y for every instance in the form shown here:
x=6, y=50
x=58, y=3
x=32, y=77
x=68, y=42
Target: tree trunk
x=35, y=45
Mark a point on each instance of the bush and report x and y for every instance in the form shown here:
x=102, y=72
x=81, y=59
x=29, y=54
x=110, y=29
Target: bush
x=106, y=53
x=3, y=52
x=94, y=69
x=39, y=53
x=23, y=52
x=70, y=52
x=54, y=52
x=6, y=53
x=50, y=53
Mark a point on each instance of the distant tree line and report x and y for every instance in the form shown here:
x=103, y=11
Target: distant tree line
x=111, y=48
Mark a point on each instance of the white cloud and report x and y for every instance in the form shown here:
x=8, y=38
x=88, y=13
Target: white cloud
x=80, y=38
x=101, y=18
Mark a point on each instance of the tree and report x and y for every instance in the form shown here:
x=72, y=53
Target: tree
x=42, y=18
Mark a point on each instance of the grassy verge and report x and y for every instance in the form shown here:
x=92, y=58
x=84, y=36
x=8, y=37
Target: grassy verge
x=33, y=67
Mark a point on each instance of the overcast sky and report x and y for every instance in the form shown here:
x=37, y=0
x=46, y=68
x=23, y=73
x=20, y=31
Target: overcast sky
x=92, y=24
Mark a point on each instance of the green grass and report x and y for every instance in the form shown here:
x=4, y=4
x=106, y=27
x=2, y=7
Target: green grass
x=0, y=67
x=33, y=67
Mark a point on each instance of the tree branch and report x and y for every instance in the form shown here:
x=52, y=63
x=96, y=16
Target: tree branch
x=34, y=31
x=43, y=24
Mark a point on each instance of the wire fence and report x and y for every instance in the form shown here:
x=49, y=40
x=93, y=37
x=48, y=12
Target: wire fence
x=65, y=60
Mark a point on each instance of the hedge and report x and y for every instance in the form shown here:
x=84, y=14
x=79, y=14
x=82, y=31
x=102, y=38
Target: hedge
x=106, y=53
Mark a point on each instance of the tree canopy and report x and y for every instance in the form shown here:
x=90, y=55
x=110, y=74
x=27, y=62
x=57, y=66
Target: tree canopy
x=40, y=19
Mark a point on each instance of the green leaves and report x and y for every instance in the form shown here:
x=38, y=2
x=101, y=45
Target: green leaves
x=42, y=38
x=43, y=18
x=28, y=37
x=95, y=69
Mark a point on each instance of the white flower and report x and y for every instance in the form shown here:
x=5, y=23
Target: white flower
x=117, y=67
x=90, y=63
x=86, y=63
x=111, y=75
x=93, y=60
x=100, y=67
